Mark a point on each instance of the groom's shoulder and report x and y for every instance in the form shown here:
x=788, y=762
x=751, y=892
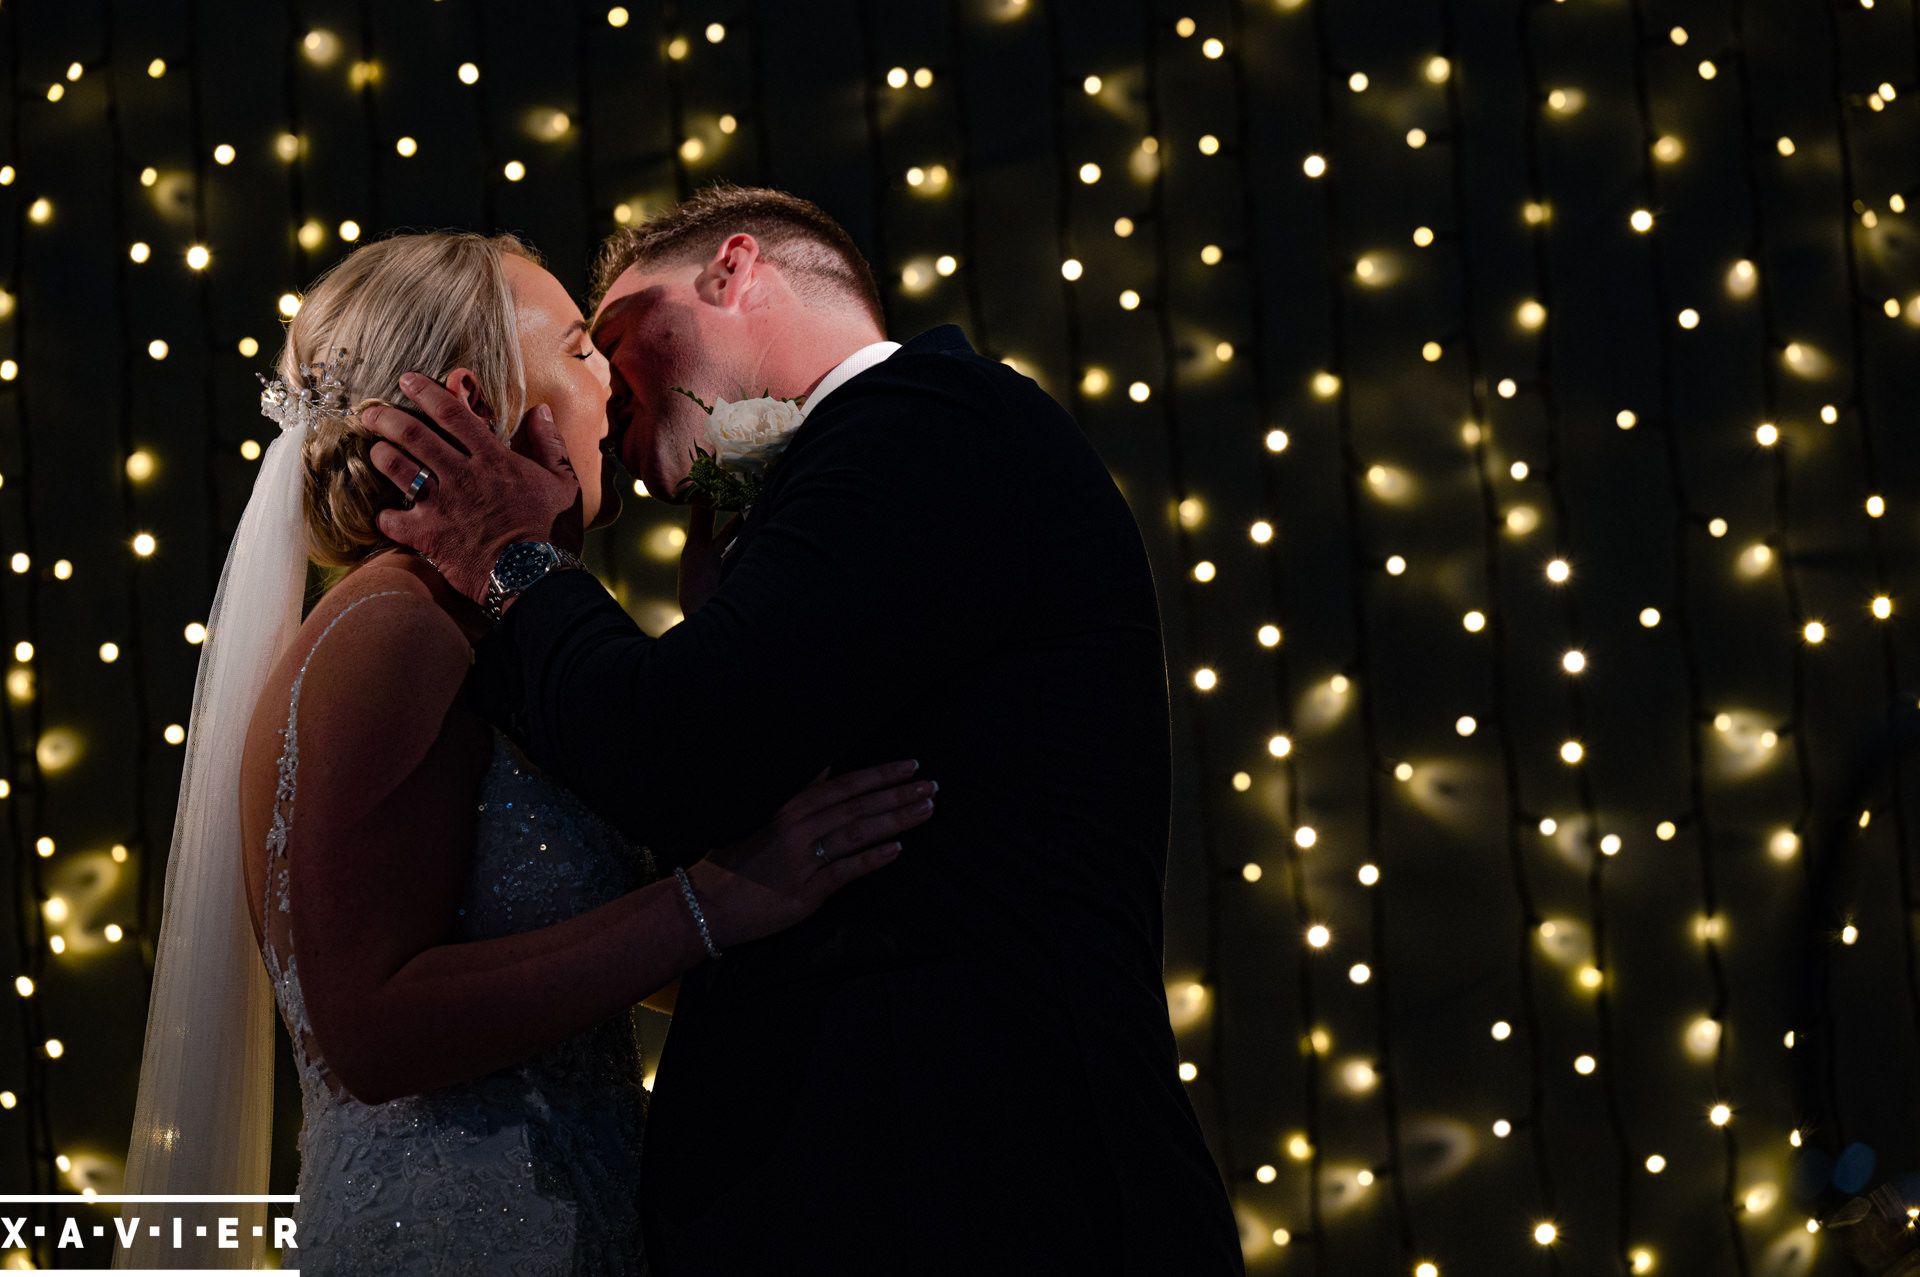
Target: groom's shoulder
x=940, y=378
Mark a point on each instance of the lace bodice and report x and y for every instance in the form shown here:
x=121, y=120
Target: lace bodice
x=533, y=1169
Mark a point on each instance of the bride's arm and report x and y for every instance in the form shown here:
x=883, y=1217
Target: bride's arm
x=381, y=846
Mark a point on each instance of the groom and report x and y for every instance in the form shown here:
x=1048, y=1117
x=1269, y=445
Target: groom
x=962, y=1064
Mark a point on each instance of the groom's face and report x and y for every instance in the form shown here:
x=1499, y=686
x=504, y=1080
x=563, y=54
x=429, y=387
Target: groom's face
x=652, y=329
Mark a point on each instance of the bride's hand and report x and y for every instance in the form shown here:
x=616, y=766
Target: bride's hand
x=773, y=879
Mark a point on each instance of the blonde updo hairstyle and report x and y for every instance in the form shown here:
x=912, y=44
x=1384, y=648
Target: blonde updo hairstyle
x=429, y=303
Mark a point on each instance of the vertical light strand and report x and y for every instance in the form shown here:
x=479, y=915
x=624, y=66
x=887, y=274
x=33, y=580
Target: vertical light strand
x=483, y=118
x=1498, y=661
x=210, y=458
x=1265, y=403
x=880, y=178
x=29, y=885
x=1815, y=856
x=670, y=40
x=1063, y=209
x=370, y=112
x=134, y=653
x=1607, y=1051
x=592, y=215
x=297, y=158
x=1870, y=467
x=1206, y=834
x=757, y=69
x=1361, y=565
x=1684, y=523
x=967, y=184
x=1772, y=342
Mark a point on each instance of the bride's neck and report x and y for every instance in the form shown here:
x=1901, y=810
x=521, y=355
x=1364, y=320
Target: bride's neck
x=464, y=611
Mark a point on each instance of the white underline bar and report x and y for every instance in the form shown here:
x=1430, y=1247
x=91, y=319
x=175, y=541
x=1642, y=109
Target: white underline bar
x=24, y=1199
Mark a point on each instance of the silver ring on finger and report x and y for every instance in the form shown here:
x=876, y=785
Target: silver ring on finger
x=820, y=851
x=419, y=482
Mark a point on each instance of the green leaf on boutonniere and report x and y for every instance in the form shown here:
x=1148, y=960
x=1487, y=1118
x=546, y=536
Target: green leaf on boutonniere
x=704, y=406
x=722, y=489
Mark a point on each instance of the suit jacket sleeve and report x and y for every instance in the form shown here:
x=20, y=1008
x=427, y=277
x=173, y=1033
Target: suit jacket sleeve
x=859, y=579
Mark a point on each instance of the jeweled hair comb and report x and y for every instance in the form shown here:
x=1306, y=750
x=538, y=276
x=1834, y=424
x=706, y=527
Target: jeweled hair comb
x=320, y=392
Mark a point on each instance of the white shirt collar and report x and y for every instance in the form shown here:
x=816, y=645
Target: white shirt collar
x=846, y=370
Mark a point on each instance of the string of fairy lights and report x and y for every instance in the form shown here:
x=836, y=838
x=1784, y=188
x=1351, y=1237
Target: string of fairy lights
x=1598, y=847
x=1665, y=321
x=965, y=183
x=1855, y=216
x=36, y=1045
x=1493, y=623
x=1758, y=268
x=1365, y=566
x=1206, y=820
x=1338, y=1160
x=1270, y=637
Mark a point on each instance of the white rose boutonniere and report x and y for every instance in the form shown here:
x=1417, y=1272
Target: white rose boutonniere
x=743, y=440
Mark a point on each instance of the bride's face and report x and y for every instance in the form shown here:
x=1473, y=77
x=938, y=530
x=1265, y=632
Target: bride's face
x=565, y=372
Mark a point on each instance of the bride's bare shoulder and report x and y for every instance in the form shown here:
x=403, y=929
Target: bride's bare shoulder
x=375, y=649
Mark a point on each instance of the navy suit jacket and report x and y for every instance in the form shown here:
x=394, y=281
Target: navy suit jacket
x=962, y=1063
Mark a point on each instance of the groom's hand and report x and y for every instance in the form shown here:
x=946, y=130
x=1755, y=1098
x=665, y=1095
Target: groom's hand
x=480, y=494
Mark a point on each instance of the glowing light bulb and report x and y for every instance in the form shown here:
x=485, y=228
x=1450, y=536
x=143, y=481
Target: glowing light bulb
x=1314, y=166
x=1572, y=752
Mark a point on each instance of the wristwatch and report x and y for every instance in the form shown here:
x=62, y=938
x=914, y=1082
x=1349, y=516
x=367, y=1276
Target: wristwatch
x=518, y=567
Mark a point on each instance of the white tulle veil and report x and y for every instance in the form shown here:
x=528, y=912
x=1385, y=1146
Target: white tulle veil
x=203, y=1122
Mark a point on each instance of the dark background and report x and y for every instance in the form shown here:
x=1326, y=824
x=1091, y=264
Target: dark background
x=1359, y=1119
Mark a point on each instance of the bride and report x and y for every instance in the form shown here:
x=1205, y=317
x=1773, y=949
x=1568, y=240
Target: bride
x=454, y=943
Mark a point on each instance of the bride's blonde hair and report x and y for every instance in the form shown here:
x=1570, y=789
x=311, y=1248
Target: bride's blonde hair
x=428, y=302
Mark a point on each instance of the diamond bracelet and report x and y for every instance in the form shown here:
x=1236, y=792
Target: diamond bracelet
x=699, y=918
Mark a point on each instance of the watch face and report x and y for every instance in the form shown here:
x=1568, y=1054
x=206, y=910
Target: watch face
x=523, y=563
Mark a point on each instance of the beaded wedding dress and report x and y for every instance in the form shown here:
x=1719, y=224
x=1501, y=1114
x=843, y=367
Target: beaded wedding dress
x=530, y=1170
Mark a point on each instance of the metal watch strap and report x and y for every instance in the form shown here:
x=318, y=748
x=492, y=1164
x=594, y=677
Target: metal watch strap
x=496, y=598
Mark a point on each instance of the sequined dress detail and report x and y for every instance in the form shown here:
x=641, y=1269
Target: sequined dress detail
x=533, y=1169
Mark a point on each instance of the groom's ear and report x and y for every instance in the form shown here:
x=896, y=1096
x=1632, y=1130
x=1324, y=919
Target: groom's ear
x=725, y=278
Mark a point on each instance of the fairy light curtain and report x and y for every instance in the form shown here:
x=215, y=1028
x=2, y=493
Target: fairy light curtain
x=1514, y=398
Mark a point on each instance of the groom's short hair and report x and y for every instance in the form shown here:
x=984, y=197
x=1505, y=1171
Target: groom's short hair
x=815, y=253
